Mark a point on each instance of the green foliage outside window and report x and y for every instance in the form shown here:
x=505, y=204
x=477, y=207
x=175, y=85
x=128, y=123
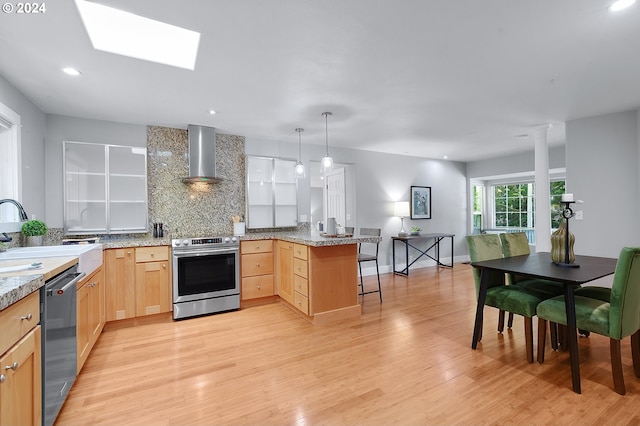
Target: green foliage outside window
x=514, y=205
x=557, y=189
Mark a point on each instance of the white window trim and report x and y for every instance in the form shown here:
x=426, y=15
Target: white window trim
x=12, y=160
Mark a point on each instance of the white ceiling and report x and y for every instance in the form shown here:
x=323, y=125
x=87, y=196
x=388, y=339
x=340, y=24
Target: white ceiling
x=459, y=78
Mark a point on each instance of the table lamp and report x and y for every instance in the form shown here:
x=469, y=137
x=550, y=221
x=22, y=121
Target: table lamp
x=401, y=210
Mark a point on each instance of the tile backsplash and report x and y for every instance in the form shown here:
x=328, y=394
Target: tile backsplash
x=193, y=210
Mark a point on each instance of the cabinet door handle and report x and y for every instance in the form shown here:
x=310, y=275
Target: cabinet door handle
x=258, y=287
x=13, y=366
x=2, y=378
x=28, y=317
x=164, y=266
x=129, y=252
x=153, y=254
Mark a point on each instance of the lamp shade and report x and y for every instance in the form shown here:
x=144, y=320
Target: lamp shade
x=401, y=209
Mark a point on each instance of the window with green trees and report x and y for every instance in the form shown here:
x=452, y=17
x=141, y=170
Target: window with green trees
x=514, y=204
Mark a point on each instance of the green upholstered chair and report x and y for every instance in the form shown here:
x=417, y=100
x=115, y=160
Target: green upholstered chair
x=517, y=244
x=518, y=300
x=616, y=319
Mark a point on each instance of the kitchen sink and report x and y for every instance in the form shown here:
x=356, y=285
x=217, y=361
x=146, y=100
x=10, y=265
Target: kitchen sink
x=89, y=255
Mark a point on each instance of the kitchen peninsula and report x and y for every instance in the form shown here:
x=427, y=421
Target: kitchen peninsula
x=314, y=274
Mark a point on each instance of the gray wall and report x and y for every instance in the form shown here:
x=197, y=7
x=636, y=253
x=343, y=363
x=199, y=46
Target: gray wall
x=603, y=170
x=32, y=147
x=382, y=179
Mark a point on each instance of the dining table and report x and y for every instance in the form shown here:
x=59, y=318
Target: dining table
x=539, y=265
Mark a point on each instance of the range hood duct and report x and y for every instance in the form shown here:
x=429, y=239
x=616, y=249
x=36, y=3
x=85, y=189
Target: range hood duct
x=202, y=155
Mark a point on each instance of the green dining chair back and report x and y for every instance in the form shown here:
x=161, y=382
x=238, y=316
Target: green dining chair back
x=517, y=244
x=515, y=299
x=485, y=247
x=618, y=318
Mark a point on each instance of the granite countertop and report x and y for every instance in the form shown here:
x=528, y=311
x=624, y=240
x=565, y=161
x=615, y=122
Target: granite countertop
x=18, y=284
x=313, y=239
x=115, y=242
x=307, y=238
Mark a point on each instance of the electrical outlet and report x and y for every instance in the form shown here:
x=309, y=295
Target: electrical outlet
x=579, y=215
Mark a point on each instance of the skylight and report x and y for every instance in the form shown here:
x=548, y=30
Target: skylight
x=123, y=33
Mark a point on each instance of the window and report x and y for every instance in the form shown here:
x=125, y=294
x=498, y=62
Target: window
x=9, y=163
x=513, y=206
x=508, y=204
x=557, y=189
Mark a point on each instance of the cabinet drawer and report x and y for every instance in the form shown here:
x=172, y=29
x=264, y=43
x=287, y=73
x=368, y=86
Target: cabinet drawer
x=257, y=246
x=257, y=264
x=301, y=302
x=301, y=285
x=152, y=254
x=300, y=251
x=255, y=287
x=14, y=320
x=300, y=267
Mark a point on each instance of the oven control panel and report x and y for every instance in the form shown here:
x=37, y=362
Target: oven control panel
x=205, y=242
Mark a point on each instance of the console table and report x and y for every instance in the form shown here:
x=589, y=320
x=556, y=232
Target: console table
x=409, y=241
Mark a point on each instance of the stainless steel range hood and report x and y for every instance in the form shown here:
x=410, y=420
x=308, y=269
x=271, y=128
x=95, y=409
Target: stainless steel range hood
x=202, y=155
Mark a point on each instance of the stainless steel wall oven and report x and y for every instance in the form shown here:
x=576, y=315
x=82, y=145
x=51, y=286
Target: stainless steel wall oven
x=206, y=276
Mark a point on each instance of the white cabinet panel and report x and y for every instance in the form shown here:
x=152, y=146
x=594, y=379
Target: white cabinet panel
x=271, y=193
x=105, y=188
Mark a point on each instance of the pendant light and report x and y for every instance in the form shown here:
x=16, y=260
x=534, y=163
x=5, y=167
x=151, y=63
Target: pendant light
x=299, y=165
x=326, y=165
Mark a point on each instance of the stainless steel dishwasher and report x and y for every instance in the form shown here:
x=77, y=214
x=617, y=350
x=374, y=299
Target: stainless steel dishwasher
x=59, y=351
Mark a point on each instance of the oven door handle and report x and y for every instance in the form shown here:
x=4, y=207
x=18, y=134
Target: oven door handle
x=204, y=253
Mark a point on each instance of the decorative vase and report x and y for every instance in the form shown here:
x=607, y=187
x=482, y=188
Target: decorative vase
x=558, y=245
x=34, y=240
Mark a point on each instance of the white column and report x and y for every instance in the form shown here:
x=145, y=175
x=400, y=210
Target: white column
x=543, y=208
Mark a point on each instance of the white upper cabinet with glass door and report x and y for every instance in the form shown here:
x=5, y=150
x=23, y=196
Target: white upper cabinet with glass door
x=271, y=193
x=285, y=191
x=105, y=189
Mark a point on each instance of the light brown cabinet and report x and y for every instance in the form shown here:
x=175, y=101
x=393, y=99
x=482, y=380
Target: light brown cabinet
x=120, y=282
x=20, y=352
x=153, y=291
x=138, y=282
x=91, y=313
x=301, y=278
x=256, y=269
x=320, y=282
x=284, y=270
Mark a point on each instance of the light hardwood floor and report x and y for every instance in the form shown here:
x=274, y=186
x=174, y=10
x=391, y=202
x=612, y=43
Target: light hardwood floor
x=405, y=361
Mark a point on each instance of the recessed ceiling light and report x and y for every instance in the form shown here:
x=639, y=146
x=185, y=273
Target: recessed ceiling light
x=71, y=71
x=445, y=157
x=115, y=31
x=620, y=5
x=212, y=112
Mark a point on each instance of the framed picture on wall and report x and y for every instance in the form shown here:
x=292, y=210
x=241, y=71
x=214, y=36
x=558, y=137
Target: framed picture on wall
x=420, y=202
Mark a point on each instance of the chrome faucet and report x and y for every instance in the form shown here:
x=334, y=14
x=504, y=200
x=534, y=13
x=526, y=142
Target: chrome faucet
x=23, y=217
